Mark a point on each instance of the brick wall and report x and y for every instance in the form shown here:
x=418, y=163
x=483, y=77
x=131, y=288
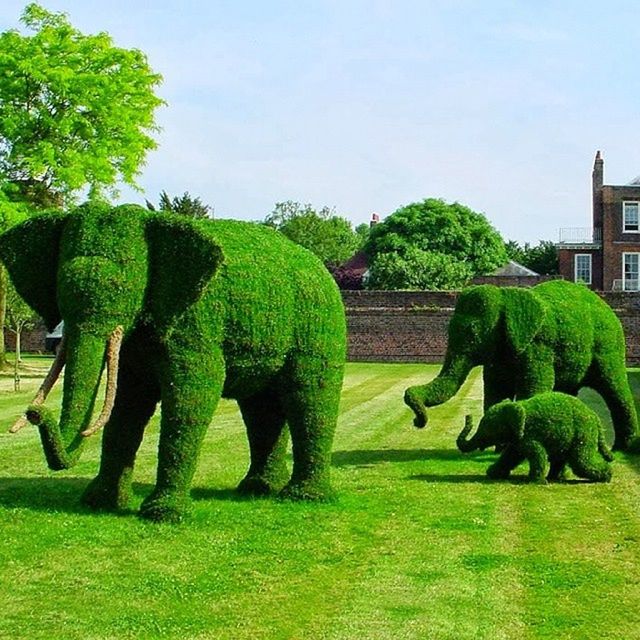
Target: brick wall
x=411, y=326
x=31, y=340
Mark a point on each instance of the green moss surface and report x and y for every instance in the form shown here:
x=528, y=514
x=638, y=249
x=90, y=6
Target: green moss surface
x=555, y=336
x=209, y=309
x=550, y=430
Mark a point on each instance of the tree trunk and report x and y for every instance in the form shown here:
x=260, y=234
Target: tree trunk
x=16, y=368
x=3, y=311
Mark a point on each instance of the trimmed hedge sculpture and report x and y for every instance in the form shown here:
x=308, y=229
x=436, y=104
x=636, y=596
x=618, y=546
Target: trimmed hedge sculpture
x=555, y=336
x=550, y=430
x=186, y=312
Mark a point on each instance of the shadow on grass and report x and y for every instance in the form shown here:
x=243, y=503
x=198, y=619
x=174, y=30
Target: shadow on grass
x=458, y=478
x=64, y=495
x=224, y=495
x=54, y=495
x=483, y=479
x=369, y=457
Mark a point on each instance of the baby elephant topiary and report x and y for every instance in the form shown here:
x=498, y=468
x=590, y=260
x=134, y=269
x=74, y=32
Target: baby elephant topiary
x=550, y=430
x=183, y=313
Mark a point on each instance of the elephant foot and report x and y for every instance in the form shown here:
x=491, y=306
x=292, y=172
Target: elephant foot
x=496, y=472
x=257, y=486
x=599, y=475
x=558, y=476
x=631, y=445
x=541, y=480
x=169, y=508
x=308, y=491
x=265, y=482
x=105, y=495
x=634, y=446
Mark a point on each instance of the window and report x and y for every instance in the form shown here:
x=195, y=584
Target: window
x=582, y=270
x=631, y=271
x=630, y=217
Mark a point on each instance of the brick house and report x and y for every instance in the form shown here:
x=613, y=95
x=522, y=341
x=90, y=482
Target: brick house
x=607, y=255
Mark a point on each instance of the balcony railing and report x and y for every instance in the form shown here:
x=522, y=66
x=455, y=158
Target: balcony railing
x=626, y=285
x=580, y=235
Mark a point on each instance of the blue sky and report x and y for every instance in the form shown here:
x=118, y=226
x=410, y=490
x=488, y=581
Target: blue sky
x=367, y=106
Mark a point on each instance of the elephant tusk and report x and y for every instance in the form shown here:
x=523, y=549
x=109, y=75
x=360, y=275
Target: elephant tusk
x=47, y=384
x=113, y=357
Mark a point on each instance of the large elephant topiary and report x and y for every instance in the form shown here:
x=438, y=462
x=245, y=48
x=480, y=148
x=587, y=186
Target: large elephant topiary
x=186, y=312
x=555, y=336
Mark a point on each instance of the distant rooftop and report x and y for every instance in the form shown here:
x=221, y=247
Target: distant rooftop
x=513, y=268
x=635, y=182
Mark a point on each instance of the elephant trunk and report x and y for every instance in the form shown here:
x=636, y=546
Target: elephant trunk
x=46, y=386
x=454, y=372
x=62, y=443
x=466, y=445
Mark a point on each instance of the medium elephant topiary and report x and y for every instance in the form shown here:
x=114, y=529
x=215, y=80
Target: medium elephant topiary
x=550, y=430
x=186, y=312
x=555, y=336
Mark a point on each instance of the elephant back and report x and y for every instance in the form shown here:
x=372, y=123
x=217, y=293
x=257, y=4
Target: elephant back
x=289, y=296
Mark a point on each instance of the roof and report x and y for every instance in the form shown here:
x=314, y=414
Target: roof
x=358, y=262
x=513, y=268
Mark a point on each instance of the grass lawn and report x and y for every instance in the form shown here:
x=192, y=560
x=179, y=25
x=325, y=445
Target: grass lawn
x=419, y=544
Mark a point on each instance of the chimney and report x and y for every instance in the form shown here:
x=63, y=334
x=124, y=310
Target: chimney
x=598, y=172
x=597, y=179
x=375, y=218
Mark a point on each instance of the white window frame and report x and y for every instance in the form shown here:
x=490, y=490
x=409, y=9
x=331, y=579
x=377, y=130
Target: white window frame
x=575, y=267
x=624, y=273
x=624, y=216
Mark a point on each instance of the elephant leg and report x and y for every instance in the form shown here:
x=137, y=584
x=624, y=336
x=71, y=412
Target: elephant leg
x=190, y=393
x=586, y=462
x=509, y=459
x=557, y=470
x=498, y=384
x=268, y=437
x=611, y=382
x=311, y=397
x=135, y=404
x=538, y=459
x=536, y=373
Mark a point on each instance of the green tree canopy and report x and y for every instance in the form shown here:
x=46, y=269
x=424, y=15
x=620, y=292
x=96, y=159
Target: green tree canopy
x=417, y=269
x=445, y=241
x=75, y=110
x=542, y=258
x=184, y=205
x=329, y=236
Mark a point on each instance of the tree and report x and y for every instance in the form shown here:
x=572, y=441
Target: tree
x=75, y=110
x=417, y=269
x=542, y=258
x=449, y=234
x=18, y=317
x=329, y=236
x=183, y=205
x=11, y=213
x=362, y=231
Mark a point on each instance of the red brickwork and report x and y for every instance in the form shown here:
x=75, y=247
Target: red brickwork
x=566, y=265
x=31, y=341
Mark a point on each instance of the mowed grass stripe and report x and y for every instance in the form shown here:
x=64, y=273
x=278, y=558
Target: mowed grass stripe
x=424, y=553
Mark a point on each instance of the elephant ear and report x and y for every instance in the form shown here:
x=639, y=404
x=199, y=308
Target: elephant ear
x=30, y=251
x=182, y=261
x=523, y=316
